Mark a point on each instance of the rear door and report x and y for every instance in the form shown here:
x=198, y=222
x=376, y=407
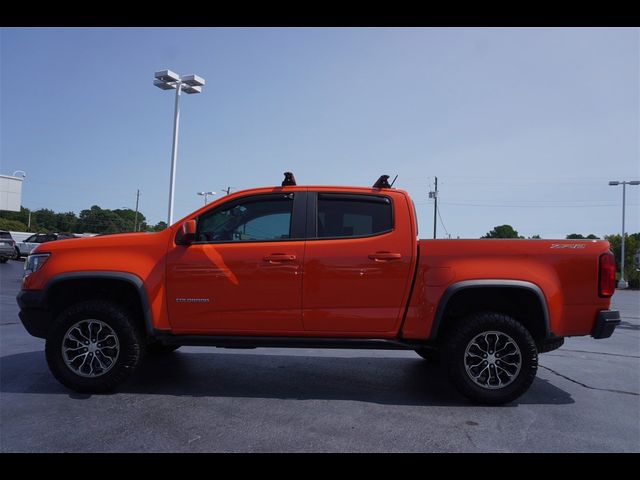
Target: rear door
x=357, y=264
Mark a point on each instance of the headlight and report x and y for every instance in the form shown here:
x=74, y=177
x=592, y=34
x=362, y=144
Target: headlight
x=33, y=263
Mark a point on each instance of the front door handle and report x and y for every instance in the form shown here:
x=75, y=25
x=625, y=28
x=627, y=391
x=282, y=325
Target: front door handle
x=385, y=256
x=279, y=257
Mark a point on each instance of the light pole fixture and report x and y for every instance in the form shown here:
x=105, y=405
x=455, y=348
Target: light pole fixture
x=206, y=194
x=622, y=283
x=167, y=80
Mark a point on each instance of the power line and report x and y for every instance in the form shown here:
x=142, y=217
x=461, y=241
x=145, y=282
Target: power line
x=442, y=223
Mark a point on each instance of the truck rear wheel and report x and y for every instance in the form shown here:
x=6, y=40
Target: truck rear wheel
x=94, y=346
x=491, y=358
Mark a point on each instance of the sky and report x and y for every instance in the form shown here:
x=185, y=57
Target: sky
x=522, y=126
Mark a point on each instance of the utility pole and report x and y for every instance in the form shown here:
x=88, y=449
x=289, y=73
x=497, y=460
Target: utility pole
x=135, y=224
x=434, y=194
x=227, y=190
x=29, y=225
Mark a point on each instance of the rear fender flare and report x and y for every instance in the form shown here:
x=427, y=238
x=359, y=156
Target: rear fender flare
x=487, y=283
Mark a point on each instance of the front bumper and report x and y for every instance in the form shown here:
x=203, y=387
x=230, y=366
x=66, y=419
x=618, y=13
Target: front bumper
x=34, y=313
x=606, y=323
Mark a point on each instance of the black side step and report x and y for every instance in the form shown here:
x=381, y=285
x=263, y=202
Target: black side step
x=288, y=342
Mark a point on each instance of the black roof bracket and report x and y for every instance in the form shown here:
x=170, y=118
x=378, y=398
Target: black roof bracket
x=289, y=180
x=382, y=182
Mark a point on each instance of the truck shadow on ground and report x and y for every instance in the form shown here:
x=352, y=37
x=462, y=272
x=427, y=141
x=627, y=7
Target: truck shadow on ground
x=628, y=325
x=391, y=381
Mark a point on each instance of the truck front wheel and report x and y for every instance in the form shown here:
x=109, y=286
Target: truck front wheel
x=491, y=358
x=94, y=346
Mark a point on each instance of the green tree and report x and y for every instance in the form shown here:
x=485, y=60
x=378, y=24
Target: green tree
x=66, y=222
x=502, y=231
x=45, y=219
x=129, y=217
x=579, y=236
x=158, y=227
x=98, y=220
x=21, y=216
x=13, y=225
x=631, y=248
x=536, y=237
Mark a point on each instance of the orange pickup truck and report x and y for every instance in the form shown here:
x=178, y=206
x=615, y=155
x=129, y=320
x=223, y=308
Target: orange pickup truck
x=315, y=267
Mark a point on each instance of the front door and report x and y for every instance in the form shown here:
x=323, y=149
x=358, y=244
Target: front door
x=243, y=275
x=357, y=264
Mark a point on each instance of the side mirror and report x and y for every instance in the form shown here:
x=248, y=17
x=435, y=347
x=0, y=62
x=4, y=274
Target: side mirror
x=188, y=230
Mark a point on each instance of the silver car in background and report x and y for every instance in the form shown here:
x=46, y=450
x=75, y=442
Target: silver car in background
x=7, y=246
x=25, y=247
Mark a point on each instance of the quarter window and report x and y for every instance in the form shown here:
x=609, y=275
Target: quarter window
x=353, y=215
x=260, y=218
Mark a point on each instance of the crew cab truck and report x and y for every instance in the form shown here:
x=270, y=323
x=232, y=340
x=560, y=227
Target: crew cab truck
x=315, y=266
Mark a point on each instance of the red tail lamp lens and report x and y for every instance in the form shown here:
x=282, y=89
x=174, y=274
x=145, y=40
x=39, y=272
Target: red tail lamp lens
x=607, y=283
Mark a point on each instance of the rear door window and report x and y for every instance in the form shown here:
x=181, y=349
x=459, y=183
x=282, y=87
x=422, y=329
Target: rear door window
x=352, y=215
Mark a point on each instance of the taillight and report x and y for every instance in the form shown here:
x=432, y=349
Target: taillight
x=607, y=275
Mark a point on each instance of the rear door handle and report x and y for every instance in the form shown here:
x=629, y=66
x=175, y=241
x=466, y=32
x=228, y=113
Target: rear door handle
x=385, y=256
x=279, y=257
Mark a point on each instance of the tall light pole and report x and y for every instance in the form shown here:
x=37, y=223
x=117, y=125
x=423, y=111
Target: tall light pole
x=622, y=283
x=206, y=194
x=167, y=80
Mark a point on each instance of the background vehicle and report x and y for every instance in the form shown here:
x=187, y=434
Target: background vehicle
x=7, y=246
x=26, y=246
x=316, y=266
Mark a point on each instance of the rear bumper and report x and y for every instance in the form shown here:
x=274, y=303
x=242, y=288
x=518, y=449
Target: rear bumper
x=34, y=314
x=606, y=323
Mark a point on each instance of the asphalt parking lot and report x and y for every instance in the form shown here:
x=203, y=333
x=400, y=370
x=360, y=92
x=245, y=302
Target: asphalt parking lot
x=586, y=398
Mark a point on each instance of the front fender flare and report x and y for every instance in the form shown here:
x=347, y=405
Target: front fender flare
x=109, y=275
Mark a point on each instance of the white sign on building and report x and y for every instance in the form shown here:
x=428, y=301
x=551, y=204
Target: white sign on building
x=10, y=193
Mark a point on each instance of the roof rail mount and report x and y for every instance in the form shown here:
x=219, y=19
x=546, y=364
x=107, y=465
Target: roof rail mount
x=382, y=182
x=289, y=180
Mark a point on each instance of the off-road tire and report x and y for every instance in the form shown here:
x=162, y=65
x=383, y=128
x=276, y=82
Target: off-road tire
x=4, y=259
x=464, y=331
x=129, y=336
